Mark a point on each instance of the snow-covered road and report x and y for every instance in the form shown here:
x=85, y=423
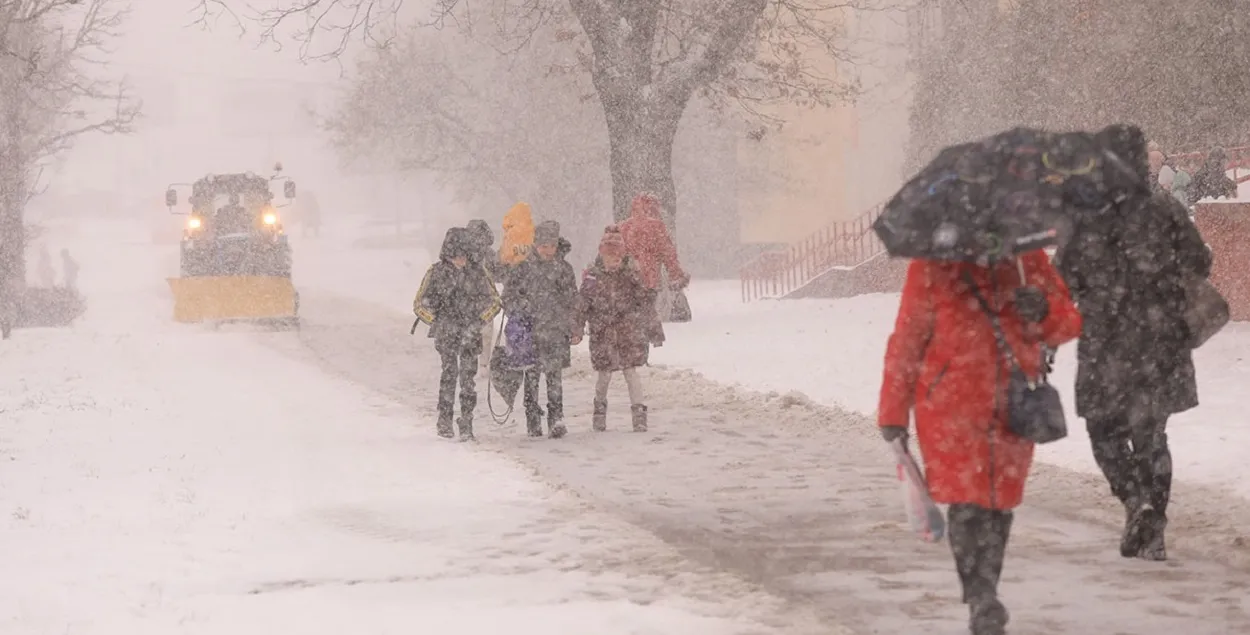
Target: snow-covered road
x=157, y=478
x=800, y=499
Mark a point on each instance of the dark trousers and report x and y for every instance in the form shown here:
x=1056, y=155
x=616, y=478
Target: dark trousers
x=555, y=398
x=457, y=367
x=978, y=538
x=1132, y=451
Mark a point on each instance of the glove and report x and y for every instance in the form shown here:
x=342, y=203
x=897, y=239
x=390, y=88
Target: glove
x=890, y=433
x=1031, y=304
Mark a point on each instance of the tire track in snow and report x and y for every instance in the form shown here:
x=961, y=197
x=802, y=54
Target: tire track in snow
x=801, y=500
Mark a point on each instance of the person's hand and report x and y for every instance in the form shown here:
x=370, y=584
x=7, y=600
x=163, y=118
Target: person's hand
x=1031, y=304
x=890, y=433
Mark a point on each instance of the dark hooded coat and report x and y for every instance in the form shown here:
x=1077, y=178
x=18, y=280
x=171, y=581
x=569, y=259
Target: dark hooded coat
x=620, y=311
x=456, y=302
x=544, y=293
x=1128, y=269
x=483, y=253
x=1211, y=180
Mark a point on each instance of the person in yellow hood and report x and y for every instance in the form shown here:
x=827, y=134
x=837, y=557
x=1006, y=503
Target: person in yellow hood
x=518, y=235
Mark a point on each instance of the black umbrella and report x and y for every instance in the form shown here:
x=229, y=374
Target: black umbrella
x=1001, y=196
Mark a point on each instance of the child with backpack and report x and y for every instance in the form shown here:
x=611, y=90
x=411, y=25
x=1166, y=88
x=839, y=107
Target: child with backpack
x=456, y=299
x=619, y=309
x=541, y=294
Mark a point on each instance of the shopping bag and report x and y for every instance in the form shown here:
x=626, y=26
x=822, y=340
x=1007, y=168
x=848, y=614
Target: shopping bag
x=923, y=514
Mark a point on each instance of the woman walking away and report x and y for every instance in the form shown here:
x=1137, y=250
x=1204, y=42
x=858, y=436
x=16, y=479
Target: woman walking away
x=542, y=292
x=1128, y=269
x=620, y=311
x=647, y=241
x=455, y=299
x=943, y=361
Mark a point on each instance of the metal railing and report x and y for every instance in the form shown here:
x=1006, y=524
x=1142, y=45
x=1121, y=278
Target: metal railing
x=778, y=273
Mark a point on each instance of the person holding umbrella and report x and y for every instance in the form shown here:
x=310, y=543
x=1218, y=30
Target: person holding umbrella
x=967, y=346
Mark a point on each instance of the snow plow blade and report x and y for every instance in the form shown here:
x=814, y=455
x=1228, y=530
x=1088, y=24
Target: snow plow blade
x=231, y=298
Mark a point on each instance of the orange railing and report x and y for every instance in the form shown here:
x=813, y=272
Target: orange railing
x=776, y=274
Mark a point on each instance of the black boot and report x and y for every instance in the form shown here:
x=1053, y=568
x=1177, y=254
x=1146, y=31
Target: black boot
x=534, y=426
x=1153, y=546
x=555, y=424
x=466, y=428
x=978, y=543
x=1135, y=526
x=640, y=417
x=599, y=420
x=444, y=427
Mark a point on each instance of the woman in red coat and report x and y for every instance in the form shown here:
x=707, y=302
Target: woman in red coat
x=650, y=245
x=943, y=362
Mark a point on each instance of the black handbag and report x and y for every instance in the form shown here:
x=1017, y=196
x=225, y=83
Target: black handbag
x=1206, y=311
x=1034, y=409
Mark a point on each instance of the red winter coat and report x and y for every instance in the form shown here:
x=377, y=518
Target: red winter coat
x=620, y=310
x=943, y=361
x=647, y=240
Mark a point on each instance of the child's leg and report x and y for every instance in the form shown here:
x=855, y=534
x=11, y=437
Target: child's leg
x=555, y=401
x=637, y=401
x=533, y=414
x=599, y=420
x=468, y=392
x=634, y=382
x=602, y=383
x=447, y=392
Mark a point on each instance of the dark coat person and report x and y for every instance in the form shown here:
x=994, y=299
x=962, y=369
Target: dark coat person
x=1128, y=268
x=455, y=299
x=541, y=292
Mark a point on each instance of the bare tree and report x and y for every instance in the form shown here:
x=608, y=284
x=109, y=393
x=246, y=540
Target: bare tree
x=51, y=53
x=497, y=127
x=646, y=58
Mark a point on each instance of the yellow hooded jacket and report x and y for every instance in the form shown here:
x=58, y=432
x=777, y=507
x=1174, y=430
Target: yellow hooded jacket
x=518, y=234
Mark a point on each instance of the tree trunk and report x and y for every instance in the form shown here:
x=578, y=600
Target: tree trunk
x=640, y=139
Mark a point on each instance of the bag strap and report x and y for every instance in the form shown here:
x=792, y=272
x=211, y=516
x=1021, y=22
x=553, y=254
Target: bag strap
x=999, y=336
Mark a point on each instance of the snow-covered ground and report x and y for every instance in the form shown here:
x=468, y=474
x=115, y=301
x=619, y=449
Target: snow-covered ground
x=166, y=478
x=159, y=478
x=791, y=494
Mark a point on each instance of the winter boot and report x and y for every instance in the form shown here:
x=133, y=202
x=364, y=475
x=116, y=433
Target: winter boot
x=444, y=428
x=599, y=420
x=1135, y=529
x=533, y=423
x=988, y=617
x=466, y=428
x=1152, y=543
x=555, y=425
x=640, y=417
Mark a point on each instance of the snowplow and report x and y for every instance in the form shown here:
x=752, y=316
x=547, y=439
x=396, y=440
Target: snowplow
x=234, y=257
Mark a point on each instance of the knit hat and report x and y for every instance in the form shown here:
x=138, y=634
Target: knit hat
x=612, y=243
x=547, y=233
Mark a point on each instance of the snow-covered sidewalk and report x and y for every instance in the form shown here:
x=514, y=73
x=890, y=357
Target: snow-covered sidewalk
x=157, y=478
x=800, y=498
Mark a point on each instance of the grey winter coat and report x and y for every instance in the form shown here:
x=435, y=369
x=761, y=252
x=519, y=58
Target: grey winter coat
x=545, y=294
x=1128, y=269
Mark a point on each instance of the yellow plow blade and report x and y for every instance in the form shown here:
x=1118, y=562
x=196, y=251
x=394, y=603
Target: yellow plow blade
x=209, y=298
